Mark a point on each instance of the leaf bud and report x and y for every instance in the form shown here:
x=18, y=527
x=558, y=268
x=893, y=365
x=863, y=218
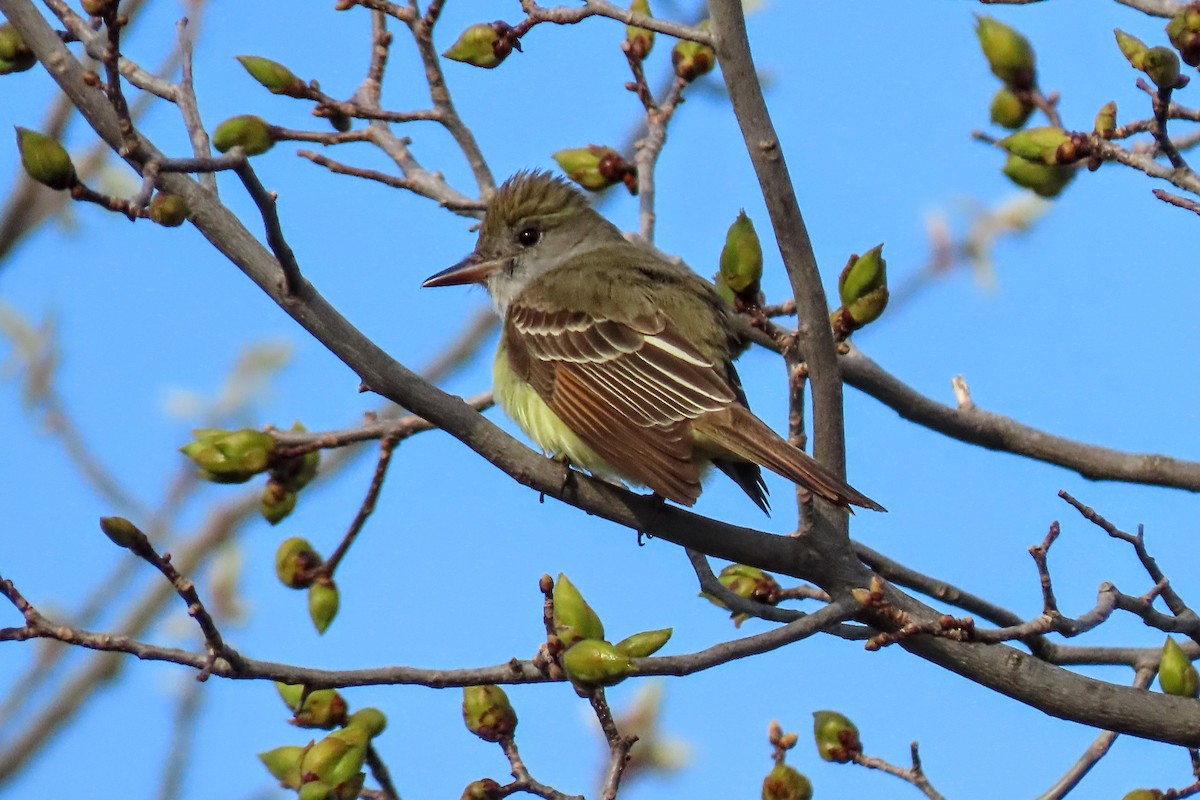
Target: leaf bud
x=693, y=59
x=485, y=789
x=15, y=55
x=45, y=160
x=1161, y=64
x=574, y=619
x=336, y=758
x=123, y=533
x=1008, y=109
x=323, y=708
x=597, y=167
x=785, y=783
x=284, y=764
x=315, y=790
x=836, y=736
x=1046, y=144
x=1184, y=32
x=323, y=601
x=275, y=77
x=294, y=560
x=1008, y=53
x=230, y=456
x=370, y=719
x=276, y=502
x=97, y=8
x=168, y=210
x=641, y=40
x=487, y=712
x=644, y=644
x=351, y=788
x=742, y=260
x=484, y=45
x=1133, y=48
x=748, y=582
x=247, y=131
x=594, y=662
x=1176, y=673
x=1106, y=120
x=1043, y=180
x=1143, y=794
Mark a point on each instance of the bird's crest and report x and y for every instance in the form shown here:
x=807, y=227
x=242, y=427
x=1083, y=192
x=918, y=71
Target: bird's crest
x=530, y=194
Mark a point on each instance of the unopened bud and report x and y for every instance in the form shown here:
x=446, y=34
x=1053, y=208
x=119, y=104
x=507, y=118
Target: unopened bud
x=644, y=644
x=1176, y=673
x=276, y=502
x=337, y=757
x=1008, y=109
x=323, y=601
x=749, y=582
x=484, y=45
x=275, y=77
x=316, y=790
x=168, y=210
x=593, y=662
x=1106, y=120
x=1046, y=144
x=785, y=783
x=742, y=260
x=574, y=619
x=370, y=719
x=692, y=59
x=641, y=40
x=1161, y=65
x=596, y=167
x=295, y=558
x=97, y=8
x=860, y=284
x=284, y=764
x=323, y=708
x=1143, y=794
x=1184, y=32
x=1009, y=54
x=485, y=789
x=45, y=160
x=487, y=712
x=836, y=736
x=247, y=131
x=230, y=456
x=1043, y=180
x=122, y=532
x=15, y=55
x=1133, y=48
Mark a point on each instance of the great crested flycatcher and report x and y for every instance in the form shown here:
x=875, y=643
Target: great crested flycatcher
x=616, y=359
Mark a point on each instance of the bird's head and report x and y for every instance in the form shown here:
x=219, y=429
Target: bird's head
x=534, y=223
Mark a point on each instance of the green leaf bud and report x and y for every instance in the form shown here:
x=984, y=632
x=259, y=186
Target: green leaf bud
x=370, y=719
x=1106, y=120
x=45, y=160
x=294, y=559
x=593, y=662
x=1008, y=53
x=123, y=533
x=230, y=456
x=15, y=55
x=323, y=708
x=836, y=736
x=1133, y=48
x=785, y=783
x=276, y=502
x=487, y=712
x=1176, y=673
x=168, y=210
x=1161, y=64
x=646, y=643
x=284, y=764
x=641, y=40
x=323, y=601
x=485, y=789
x=1046, y=144
x=597, y=167
x=336, y=758
x=351, y=788
x=862, y=275
x=1184, y=32
x=1045, y=181
x=316, y=790
x=692, y=59
x=1143, y=794
x=1009, y=110
x=742, y=260
x=574, y=619
x=484, y=45
x=749, y=582
x=275, y=77
x=247, y=131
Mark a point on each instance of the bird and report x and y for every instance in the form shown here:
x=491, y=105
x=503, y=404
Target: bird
x=616, y=359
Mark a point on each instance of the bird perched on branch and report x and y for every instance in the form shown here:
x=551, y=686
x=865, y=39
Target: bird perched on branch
x=616, y=359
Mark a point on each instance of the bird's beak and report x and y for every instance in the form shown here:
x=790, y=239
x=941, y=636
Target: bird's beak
x=472, y=269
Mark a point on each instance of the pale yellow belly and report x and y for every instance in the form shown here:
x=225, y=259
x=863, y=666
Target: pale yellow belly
x=526, y=408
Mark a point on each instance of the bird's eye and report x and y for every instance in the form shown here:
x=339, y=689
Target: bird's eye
x=528, y=237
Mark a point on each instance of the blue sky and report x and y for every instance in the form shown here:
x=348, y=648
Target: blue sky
x=1085, y=334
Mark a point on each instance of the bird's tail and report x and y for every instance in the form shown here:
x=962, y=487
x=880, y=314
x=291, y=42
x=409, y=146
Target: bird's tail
x=736, y=431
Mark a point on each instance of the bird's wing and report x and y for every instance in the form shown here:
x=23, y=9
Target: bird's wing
x=628, y=388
